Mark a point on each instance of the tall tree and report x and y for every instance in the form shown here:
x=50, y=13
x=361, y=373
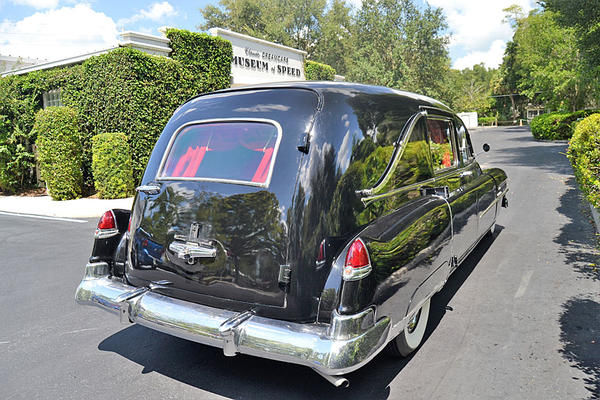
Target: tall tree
x=397, y=44
x=543, y=62
x=334, y=44
x=294, y=23
x=584, y=17
x=551, y=62
x=472, y=88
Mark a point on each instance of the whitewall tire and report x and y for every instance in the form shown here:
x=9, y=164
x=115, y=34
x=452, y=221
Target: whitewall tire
x=411, y=337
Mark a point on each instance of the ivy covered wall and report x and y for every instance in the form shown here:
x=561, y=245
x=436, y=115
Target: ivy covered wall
x=124, y=90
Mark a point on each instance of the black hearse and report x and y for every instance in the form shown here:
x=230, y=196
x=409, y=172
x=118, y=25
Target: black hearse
x=305, y=222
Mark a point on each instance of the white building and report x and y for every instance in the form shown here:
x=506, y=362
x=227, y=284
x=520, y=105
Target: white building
x=254, y=60
x=9, y=63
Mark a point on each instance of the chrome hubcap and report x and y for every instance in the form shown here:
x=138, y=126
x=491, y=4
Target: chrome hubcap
x=412, y=325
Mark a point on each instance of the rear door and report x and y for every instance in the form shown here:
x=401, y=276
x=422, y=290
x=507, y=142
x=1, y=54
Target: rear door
x=216, y=231
x=451, y=171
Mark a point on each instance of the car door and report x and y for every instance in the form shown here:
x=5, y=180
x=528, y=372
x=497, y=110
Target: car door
x=459, y=176
x=478, y=181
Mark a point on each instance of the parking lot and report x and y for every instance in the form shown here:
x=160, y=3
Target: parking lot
x=520, y=319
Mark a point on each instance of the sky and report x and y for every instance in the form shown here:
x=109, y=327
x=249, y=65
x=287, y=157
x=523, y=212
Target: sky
x=56, y=29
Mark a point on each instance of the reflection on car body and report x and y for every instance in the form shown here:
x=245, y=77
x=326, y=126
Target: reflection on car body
x=305, y=222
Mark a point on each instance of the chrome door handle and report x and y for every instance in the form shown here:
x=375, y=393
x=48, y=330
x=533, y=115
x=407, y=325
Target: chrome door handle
x=464, y=174
x=148, y=189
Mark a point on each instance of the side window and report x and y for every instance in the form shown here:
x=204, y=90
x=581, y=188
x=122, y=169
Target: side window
x=465, y=148
x=415, y=163
x=442, y=151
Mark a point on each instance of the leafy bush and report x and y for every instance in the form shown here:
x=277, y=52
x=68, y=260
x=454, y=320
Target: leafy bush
x=208, y=57
x=487, y=121
x=557, y=125
x=584, y=154
x=111, y=165
x=59, y=151
x=314, y=71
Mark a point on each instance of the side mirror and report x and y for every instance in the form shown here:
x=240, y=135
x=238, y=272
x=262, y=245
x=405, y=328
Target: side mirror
x=486, y=147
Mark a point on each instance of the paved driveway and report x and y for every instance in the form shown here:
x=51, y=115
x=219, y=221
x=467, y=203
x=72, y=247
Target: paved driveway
x=518, y=320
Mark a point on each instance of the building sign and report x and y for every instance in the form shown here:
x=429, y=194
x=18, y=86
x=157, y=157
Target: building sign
x=258, y=61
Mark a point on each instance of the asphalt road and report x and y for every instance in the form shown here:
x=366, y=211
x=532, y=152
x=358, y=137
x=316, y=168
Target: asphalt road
x=520, y=319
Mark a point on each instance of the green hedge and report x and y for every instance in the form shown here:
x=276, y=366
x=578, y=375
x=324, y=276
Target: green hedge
x=487, y=121
x=557, y=125
x=584, y=154
x=59, y=151
x=112, y=166
x=124, y=90
x=208, y=57
x=314, y=71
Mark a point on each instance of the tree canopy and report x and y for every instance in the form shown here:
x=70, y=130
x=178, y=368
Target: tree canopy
x=543, y=62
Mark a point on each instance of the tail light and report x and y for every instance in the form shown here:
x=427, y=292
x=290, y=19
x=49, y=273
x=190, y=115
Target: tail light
x=357, y=264
x=107, y=226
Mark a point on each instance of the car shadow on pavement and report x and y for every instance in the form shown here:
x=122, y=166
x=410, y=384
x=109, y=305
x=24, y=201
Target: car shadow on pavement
x=208, y=369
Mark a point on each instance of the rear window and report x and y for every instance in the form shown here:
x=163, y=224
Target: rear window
x=223, y=151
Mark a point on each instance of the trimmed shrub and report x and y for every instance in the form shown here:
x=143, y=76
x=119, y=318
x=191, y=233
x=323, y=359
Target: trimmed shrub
x=557, y=125
x=208, y=57
x=314, y=71
x=487, y=121
x=111, y=166
x=584, y=154
x=59, y=151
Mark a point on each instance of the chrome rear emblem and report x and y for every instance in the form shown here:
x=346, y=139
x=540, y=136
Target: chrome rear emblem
x=193, y=247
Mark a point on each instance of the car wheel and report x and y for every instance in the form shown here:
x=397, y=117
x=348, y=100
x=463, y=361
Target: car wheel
x=410, y=338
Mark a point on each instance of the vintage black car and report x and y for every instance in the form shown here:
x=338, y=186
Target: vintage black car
x=305, y=222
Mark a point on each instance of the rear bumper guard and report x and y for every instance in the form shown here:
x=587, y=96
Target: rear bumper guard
x=345, y=345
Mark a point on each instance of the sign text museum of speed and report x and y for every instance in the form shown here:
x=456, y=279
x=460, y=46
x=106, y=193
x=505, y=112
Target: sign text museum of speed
x=259, y=61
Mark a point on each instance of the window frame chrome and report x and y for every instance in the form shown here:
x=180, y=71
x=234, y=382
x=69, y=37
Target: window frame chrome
x=221, y=180
x=400, y=146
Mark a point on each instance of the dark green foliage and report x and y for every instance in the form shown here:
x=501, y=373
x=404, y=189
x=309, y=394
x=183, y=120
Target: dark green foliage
x=314, y=71
x=402, y=45
x=292, y=23
x=112, y=166
x=124, y=90
x=208, y=57
x=59, y=151
x=584, y=17
x=584, y=154
x=20, y=98
x=557, y=125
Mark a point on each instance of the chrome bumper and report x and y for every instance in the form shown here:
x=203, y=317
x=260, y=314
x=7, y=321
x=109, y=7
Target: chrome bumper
x=345, y=345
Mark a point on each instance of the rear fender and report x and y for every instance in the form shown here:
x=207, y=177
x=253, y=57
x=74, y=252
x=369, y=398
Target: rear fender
x=105, y=249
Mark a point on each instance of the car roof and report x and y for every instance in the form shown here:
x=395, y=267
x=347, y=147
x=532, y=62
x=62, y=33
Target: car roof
x=351, y=89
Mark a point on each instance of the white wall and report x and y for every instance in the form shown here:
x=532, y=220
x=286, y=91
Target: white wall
x=469, y=118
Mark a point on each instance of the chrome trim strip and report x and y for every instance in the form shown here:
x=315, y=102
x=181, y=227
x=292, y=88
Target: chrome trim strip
x=400, y=147
x=354, y=342
x=105, y=233
x=232, y=181
x=499, y=195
